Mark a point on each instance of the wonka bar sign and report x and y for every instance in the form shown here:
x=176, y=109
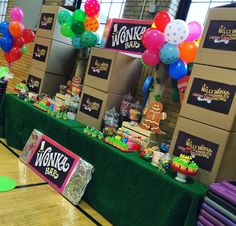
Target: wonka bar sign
x=53, y=162
x=125, y=35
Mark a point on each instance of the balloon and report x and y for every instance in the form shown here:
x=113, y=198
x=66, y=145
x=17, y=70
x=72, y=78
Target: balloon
x=17, y=14
x=78, y=27
x=176, y=32
x=162, y=18
x=145, y=65
x=4, y=71
x=79, y=15
x=6, y=43
x=169, y=54
x=19, y=42
x=24, y=49
x=190, y=68
x=91, y=24
x=28, y=36
x=150, y=57
x=67, y=31
x=8, y=58
x=92, y=8
x=64, y=17
x=153, y=39
x=4, y=29
x=195, y=31
x=88, y=39
x=188, y=51
x=178, y=69
x=76, y=42
x=15, y=53
x=16, y=29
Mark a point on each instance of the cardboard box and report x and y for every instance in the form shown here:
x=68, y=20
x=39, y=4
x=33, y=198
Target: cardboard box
x=219, y=39
x=53, y=56
x=214, y=149
x=93, y=105
x=49, y=26
x=112, y=71
x=125, y=35
x=44, y=82
x=210, y=97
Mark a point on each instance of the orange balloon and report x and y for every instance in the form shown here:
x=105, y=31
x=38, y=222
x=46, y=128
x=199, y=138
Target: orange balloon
x=16, y=29
x=91, y=24
x=188, y=51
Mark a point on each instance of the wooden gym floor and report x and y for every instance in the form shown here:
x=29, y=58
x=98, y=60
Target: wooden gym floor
x=34, y=202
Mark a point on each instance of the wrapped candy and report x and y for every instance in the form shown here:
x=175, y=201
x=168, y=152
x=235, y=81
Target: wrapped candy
x=125, y=105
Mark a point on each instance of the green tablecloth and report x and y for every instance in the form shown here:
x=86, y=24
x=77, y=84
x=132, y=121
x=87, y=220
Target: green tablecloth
x=124, y=188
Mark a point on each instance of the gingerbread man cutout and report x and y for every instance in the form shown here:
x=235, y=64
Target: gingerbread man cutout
x=152, y=117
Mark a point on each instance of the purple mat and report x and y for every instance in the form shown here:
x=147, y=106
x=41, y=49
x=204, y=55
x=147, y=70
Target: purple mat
x=204, y=221
x=230, y=184
x=226, y=191
x=210, y=218
x=217, y=215
x=199, y=223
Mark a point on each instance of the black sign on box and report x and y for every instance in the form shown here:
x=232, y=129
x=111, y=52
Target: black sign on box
x=91, y=106
x=52, y=163
x=99, y=67
x=221, y=35
x=204, y=151
x=211, y=95
x=46, y=21
x=127, y=37
x=40, y=52
x=34, y=83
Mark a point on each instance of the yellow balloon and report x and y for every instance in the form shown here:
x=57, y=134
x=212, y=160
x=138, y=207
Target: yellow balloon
x=153, y=25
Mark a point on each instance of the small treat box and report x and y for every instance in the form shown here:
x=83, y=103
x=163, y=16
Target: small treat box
x=218, y=42
x=93, y=105
x=125, y=35
x=213, y=149
x=112, y=71
x=210, y=97
x=49, y=26
x=40, y=81
x=53, y=56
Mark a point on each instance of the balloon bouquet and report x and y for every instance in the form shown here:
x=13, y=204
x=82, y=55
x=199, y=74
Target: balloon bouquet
x=172, y=42
x=14, y=36
x=81, y=26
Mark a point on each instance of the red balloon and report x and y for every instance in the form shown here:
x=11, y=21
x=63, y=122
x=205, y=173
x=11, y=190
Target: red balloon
x=28, y=35
x=161, y=20
x=8, y=58
x=15, y=53
x=19, y=42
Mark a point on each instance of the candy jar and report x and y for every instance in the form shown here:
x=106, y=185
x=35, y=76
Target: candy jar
x=125, y=105
x=165, y=163
x=111, y=118
x=135, y=112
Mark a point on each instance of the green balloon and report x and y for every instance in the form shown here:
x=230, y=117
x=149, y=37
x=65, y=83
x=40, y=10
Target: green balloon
x=66, y=30
x=78, y=27
x=89, y=39
x=24, y=49
x=79, y=15
x=4, y=71
x=64, y=17
x=6, y=184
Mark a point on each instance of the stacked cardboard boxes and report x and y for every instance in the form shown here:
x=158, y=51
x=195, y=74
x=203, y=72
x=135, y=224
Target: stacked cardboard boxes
x=207, y=120
x=109, y=76
x=53, y=56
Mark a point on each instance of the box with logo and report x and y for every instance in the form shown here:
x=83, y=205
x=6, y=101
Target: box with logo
x=210, y=97
x=219, y=39
x=125, y=35
x=53, y=56
x=40, y=81
x=93, y=105
x=214, y=149
x=112, y=71
x=49, y=26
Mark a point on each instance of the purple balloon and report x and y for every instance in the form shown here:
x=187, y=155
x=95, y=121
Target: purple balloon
x=195, y=31
x=17, y=14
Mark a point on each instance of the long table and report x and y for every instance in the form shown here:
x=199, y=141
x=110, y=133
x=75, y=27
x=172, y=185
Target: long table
x=124, y=188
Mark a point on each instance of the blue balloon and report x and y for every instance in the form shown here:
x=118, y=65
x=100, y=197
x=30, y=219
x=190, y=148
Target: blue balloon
x=169, y=54
x=4, y=29
x=178, y=70
x=76, y=42
x=6, y=44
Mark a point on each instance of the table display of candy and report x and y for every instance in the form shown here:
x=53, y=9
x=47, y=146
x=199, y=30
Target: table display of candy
x=184, y=165
x=219, y=207
x=94, y=133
